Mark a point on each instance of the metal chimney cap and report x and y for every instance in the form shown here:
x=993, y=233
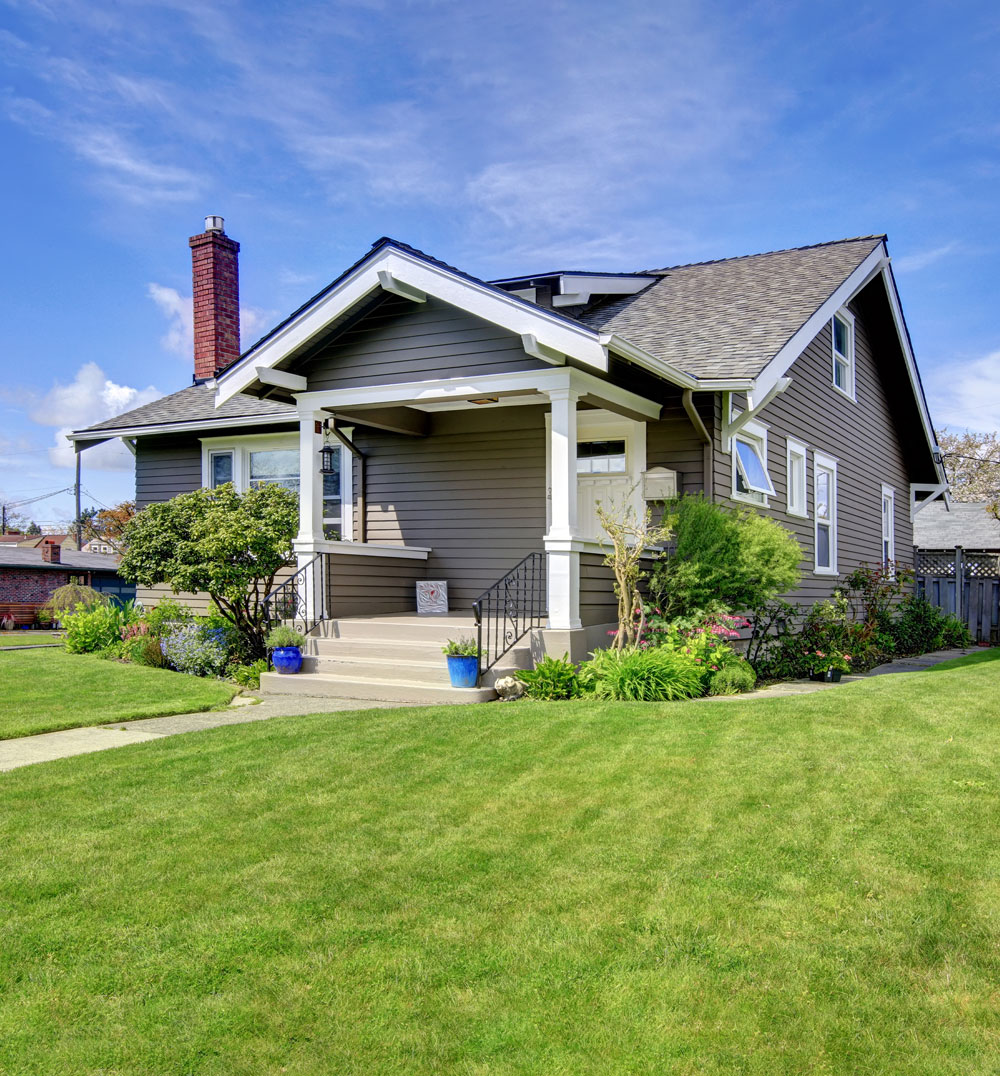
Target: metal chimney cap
x=215, y=224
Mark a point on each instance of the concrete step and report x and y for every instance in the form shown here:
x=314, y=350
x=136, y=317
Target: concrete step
x=411, y=629
x=383, y=667
x=412, y=693
x=396, y=650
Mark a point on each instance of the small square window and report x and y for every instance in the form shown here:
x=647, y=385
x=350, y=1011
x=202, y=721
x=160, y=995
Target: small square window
x=221, y=468
x=796, y=474
x=751, y=471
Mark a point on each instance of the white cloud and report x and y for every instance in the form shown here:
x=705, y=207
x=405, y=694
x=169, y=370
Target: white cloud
x=90, y=397
x=911, y=263
x=965, y=394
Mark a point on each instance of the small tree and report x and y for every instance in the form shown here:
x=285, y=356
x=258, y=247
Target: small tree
x=630, y=534
x=227, y=544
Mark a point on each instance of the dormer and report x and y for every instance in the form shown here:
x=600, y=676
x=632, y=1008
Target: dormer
x=558, y=290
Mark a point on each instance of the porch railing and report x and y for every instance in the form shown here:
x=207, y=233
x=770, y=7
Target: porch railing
x=509, y=609
x=301, y=598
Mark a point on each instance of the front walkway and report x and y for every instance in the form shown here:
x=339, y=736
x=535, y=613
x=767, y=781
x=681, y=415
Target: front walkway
x=53, y=745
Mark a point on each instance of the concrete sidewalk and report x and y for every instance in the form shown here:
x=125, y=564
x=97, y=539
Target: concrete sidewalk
x=48, y=746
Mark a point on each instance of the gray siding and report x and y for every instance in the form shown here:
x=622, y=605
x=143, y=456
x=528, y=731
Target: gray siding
x=473, y=491
x=164, y=467
x=862, y=436
x=371, y=586
x=598, y=604
x=404, y=341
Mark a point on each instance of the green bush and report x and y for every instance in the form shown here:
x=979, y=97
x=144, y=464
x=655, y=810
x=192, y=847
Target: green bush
x=732, y=679
x=247, y=676
x=283, y=636
x=738, y=559
x=655, y=674
x=461, y=648
x=67, y=598
x=920, y=626
x=167, y=611
x=141, y=647
x=552, y=679
x=955, y=633
x=97, y=628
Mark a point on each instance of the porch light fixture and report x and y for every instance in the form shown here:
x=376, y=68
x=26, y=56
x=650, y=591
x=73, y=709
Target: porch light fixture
x=486, y=400
x=328, y=454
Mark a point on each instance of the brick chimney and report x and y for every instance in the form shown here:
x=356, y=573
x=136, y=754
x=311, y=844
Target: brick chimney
x=51, y=553
x=216, y=291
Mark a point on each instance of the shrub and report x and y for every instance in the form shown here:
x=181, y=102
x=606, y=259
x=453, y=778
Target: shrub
x=69, y=597
x=920, y=626
x=99, y=627
x=650, y=675
x=190, y=648
x=737, y=558
x=282, y=636
x=552, y=679
x=873, y=590
x=167, y=611
x=732, y=679
x=247, y=676
x=955, y=633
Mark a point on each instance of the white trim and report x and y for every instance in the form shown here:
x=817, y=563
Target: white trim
x=822, y=462
x=734, y=420
x=282, y=379
x=888, y=533
x=875, y=263
x=182, y=427
x=541, y=351
x=397, y=287
x=935, y=490
x=362, y=549
x=472, y=387
x=481, y=300
x=752, y=432
x=798, y=448
x=850, y=359
x=627, y=350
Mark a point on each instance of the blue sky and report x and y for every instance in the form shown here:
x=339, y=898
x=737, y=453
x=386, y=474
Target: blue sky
x=504, y=138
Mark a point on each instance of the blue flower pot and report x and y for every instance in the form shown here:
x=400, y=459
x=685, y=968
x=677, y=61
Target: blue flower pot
x=463, y=671
x=286, y=659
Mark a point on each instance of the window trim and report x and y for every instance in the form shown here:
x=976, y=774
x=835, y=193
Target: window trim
x=242, y=446
x=850, y=358
x=890, y=538
x=751, y=432
x=797, y=448
x=822, y=462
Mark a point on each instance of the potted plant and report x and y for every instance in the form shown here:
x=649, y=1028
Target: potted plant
x=286, y=645
x=827, y=665
x=463, y=662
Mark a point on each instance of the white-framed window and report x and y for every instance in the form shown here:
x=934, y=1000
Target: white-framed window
x=842, y=336
x=258, y=459
x=825, y=504
x=796, y=502
x=751, y=481
x=888, y=526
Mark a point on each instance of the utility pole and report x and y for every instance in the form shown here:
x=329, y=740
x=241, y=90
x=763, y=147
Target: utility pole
x=78, y=542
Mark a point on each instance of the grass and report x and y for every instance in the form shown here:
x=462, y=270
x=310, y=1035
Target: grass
x=29, y=638
x=45, y=690
x=800, y=885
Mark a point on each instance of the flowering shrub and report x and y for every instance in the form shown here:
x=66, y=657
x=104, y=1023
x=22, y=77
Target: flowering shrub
x=818, y=661
x=99, y=627
x=732, y=679
x=194, y=649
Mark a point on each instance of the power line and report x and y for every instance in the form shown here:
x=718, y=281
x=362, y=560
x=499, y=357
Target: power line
x=977, y=459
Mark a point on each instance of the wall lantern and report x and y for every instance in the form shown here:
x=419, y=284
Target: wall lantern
x=328, y=455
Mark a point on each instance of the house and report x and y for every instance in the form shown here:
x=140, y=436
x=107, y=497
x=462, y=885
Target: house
x=36, y=541
x=470, y=426
x=940, y=526
x=30, y=575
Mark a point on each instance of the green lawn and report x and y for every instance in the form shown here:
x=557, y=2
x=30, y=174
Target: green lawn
x=30, y=638
x=800, y=885
x=44, y=690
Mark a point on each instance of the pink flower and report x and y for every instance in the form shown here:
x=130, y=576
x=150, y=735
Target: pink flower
x=715, y=668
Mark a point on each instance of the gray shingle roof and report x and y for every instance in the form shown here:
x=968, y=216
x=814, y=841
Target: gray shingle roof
x=19, y=557
x=730, y=318
x=968, y=524
x=196, y=403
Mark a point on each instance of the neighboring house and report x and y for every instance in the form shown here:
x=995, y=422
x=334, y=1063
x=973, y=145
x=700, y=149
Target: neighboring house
x=29, y=576
x=99, y=545
x=36, y=541
x=968, y=524
x=475, y=423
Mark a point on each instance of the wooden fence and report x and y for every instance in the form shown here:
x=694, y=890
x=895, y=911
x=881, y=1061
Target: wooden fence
x=965, y=583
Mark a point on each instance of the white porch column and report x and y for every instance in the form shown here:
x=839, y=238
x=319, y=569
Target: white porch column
x=311, y=597
x=562, y=544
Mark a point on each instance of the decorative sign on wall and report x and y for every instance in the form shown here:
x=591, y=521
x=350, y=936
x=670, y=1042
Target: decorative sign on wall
x=432, y=598
x=659, y=484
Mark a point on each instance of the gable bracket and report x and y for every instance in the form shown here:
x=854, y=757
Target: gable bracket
x=933, y=491
x=732, y=426
x=393, y=284
x=541, y=351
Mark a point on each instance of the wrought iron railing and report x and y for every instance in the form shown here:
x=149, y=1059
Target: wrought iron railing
x=510, y=609
x=300, y=599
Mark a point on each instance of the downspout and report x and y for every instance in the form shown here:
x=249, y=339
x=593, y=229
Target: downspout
x=362, y=478
x=708, y=454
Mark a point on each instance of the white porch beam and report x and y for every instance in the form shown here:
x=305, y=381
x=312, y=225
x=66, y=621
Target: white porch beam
x=933, y=491
x=541, y=351
x=282, y=379
x=310, y=479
